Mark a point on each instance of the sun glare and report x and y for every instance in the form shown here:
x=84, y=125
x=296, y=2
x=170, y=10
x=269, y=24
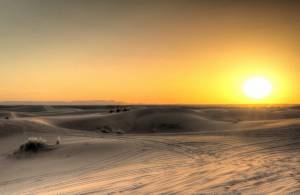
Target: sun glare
x=257, y=87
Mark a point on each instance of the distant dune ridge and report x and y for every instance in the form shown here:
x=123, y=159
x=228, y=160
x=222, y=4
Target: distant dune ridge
x=172, y=119
x=90, y=102
x=150, y=149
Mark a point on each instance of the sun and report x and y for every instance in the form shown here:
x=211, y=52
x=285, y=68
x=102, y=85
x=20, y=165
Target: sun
x=257, y=87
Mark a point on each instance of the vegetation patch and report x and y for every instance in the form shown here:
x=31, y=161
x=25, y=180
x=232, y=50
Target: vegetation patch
x=33, y=145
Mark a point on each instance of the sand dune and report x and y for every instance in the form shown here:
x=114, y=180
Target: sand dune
x=173, y=120
x=141, y=121
x=249, y=114
x=168, y=150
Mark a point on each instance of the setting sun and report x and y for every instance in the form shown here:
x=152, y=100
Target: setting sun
x=257, y=87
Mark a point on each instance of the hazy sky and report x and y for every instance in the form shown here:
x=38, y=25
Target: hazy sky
x=148, y=51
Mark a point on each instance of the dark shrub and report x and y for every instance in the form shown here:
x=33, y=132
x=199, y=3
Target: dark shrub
x=120, y=132
x=33, y=145
x=57, y=141
x=125, y=109
x=106, y=129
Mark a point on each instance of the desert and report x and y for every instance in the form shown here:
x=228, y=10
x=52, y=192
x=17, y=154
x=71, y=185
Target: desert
x=150, y=150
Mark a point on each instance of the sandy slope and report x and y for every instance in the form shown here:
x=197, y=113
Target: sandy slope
x=163, y=150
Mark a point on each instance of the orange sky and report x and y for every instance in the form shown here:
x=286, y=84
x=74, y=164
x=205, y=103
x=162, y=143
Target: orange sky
x=156, y=52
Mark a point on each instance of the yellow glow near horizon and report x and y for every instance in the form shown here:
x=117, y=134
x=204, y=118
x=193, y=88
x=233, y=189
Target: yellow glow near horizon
x=257, y=87
x=151, y=53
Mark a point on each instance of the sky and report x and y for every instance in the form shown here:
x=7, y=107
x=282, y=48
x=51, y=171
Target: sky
x=151, y=52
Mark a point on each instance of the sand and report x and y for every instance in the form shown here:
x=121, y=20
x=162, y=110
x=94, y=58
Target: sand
x=152, y=150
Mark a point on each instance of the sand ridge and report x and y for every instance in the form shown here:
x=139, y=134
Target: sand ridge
x=170, y=149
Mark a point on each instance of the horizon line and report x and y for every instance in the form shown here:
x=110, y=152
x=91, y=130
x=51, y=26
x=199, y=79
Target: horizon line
x=114, y=103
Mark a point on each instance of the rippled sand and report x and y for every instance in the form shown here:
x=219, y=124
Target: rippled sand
x=150, y=150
